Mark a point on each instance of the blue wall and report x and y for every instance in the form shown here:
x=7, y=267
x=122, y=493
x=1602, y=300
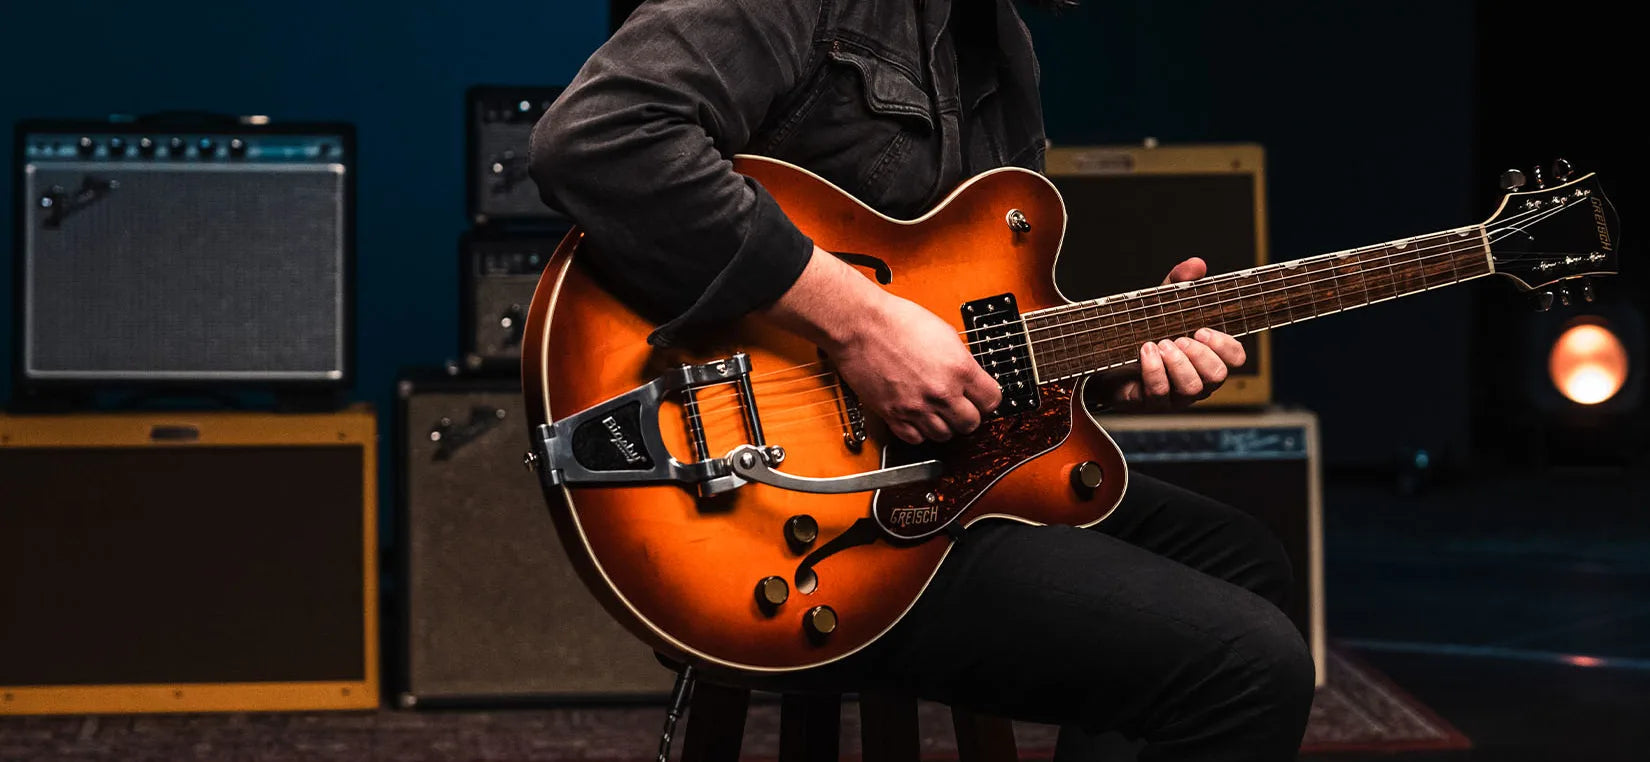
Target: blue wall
x=1364, y=110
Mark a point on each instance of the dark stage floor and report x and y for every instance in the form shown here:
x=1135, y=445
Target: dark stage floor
x=1516, y=606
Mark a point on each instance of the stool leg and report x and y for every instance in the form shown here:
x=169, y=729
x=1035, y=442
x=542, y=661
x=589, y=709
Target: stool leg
x=810, y=727
x=888, y=728
x=981, y=738
x=715, y=723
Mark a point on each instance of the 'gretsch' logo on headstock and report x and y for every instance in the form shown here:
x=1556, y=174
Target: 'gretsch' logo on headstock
x=1602, y=223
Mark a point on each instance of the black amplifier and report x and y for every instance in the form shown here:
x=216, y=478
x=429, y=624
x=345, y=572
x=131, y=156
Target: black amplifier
x=192, y=251
x=501, y=122
x=497, y=279
x=1265, y=463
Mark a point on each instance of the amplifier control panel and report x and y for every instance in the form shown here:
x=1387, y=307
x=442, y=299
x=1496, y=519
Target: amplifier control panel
x=181, y=147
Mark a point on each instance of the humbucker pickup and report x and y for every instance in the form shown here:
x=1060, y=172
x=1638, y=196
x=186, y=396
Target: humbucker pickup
x=997, y=338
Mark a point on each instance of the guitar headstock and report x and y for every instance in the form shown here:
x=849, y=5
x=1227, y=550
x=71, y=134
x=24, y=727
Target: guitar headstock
x=1543, y=236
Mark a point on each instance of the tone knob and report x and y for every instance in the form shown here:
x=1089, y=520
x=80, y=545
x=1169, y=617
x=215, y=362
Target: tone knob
x=771, y=592
x=1086, y=477
x=801, y=530
x=820, y=621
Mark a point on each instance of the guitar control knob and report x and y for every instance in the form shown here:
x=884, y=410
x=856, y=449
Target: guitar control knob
x=801, y=531
x=1086, y=477
x=771, y=592
x=820, y=621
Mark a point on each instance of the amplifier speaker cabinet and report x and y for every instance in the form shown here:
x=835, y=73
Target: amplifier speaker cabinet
x=501, y=120
x=198, y=252
x=493, y=610
x=1265, y=463
x=1133, y=212
x=496, y=283
x=188, y=562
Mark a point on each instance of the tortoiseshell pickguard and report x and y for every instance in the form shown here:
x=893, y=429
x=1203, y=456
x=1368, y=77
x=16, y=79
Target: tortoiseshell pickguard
x=972, y=464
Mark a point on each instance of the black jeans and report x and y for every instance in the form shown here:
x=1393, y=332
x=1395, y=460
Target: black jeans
x=1163, y=623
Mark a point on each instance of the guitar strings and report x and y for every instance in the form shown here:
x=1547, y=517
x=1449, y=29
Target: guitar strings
x=1498, y=234
x=779, y=423
x=1509, y=227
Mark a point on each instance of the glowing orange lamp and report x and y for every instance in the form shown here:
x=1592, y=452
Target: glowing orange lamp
x=1588, y=363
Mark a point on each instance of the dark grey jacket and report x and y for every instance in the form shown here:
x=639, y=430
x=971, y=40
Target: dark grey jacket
x=895, y=101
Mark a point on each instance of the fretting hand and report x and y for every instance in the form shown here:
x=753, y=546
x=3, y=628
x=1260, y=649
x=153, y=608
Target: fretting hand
x=1175, y=373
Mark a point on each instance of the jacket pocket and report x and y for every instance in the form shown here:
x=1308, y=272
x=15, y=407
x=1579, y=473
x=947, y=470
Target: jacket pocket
x=888, y=89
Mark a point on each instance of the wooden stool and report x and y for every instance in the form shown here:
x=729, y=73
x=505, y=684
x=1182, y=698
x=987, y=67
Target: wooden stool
x=810, y=728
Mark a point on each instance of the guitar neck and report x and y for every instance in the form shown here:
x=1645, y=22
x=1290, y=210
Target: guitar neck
x=1078, y=339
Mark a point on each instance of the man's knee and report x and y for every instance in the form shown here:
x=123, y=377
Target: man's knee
x=1277, y=657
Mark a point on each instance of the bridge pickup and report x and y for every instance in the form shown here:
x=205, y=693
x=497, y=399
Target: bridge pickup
x=997, y=338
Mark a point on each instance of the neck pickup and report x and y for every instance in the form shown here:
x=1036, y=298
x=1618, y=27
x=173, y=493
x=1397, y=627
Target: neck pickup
x=997, y=338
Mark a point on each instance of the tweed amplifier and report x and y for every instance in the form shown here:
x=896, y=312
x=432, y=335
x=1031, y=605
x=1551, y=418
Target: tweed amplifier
x=1136, y=211
x=493, y=610
x=188, y=562
x=496, y=283
x=1265, y=463
x=184, y=252
x=501, y=120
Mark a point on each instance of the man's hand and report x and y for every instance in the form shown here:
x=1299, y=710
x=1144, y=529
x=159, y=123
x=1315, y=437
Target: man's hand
x=1174, y=374
x=908, y=367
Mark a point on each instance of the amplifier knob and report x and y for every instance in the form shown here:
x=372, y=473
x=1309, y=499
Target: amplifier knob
x=820, y=621
x=117, y=147
x=175, y=148
x=207, y=148
x=237, y=148
x=146, y=147
x=86, y=146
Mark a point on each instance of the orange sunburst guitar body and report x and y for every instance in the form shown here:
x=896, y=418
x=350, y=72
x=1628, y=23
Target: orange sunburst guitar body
x=694, y=576
x=734, y=507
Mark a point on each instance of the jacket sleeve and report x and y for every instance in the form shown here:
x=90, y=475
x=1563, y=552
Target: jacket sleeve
x=637, y=152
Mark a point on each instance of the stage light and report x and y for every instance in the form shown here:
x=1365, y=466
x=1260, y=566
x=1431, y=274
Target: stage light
x=1588, y=363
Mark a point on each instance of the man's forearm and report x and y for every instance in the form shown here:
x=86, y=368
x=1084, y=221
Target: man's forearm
x=829, y=303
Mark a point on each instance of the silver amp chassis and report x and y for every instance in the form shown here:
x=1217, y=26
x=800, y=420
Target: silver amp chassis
x=618, y=442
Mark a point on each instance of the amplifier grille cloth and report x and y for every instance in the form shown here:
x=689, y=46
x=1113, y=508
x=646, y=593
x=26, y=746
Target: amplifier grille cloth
x=193, y=270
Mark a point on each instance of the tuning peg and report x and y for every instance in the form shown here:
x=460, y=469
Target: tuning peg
x=1562, y=170
x=1564, y=295
x=1539, y=182
x=1512, y=180
x=1543, y=301
x=1587, y=293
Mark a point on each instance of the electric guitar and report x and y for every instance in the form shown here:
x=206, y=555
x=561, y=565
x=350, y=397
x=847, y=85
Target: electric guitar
x=733, y=505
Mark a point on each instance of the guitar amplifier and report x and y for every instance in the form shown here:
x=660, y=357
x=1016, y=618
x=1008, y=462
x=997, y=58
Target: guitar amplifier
x=493, y=610
x=1134, y=212
x=188, y=562
x=496, y=283
x=501, y=120
x=1265, y=463
x=191, y=252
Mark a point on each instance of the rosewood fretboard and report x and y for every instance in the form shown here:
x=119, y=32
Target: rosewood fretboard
x=1077, y=339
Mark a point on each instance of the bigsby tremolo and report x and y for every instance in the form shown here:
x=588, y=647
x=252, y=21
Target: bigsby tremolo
x=618, y=442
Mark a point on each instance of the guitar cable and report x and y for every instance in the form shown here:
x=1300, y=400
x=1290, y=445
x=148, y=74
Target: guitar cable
x=679, y=696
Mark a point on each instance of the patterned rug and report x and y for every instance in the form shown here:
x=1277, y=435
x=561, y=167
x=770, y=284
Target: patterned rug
x=1357, y=710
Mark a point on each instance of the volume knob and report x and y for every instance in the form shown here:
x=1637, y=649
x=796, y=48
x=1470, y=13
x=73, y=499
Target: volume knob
x=771, y=592
x=1086, y=477
x=801, y=530
x=820, y=621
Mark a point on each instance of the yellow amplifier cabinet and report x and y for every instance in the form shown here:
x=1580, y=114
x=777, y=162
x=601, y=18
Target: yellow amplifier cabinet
x=1133, y=212
x=188, y=562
